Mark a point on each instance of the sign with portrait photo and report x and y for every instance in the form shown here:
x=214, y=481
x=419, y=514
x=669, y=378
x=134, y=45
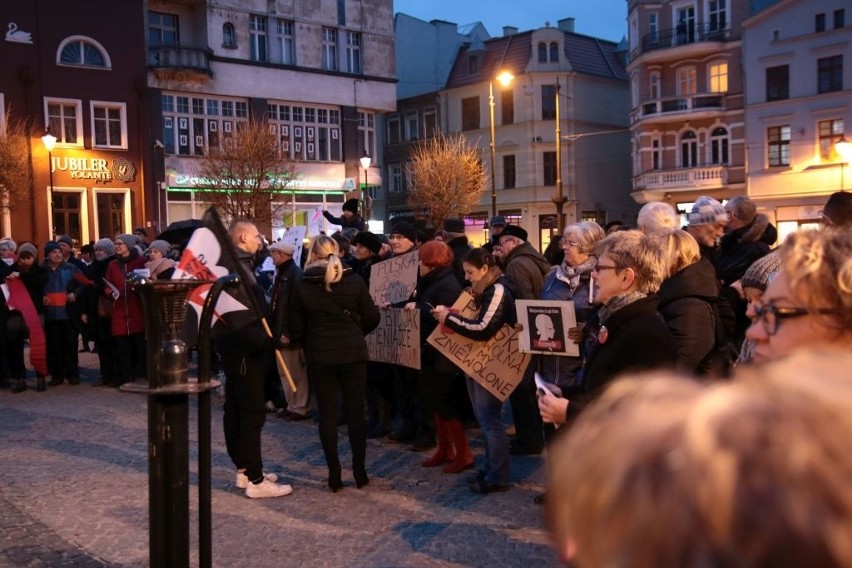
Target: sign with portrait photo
x=545, y=327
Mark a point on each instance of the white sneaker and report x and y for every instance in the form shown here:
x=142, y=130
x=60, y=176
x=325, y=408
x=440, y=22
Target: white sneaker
x=267, y=488
x=243, y=480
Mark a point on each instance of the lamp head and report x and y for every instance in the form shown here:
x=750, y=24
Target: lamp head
x=505, y=78
x=366, y=160
x=49, y=140
x=844, y=149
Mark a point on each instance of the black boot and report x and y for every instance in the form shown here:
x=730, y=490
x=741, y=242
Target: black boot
x=20, y=386
x=334, y=481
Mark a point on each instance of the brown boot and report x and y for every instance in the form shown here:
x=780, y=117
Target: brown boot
x=464, y=458
x=444, y=454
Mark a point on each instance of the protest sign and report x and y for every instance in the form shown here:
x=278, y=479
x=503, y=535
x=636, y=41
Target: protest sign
x=296, y=236
x=496, y=364
x=393, y=280
x=397, y=339
x=545, y=327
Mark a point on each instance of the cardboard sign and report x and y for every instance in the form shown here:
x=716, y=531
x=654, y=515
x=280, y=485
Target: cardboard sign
x=393, y=280
x=497, y=364
x=546, y=324
x=295, y=236
x=397, y=339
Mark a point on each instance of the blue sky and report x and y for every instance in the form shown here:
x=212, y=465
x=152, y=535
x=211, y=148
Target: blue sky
x=606, y=19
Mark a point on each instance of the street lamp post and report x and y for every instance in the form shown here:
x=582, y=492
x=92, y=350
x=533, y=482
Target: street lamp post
x=559, y=199
x=505, y=78
x=365, y=163
x=49, y=141
x=844, y=149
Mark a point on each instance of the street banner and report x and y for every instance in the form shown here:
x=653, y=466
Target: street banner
x=397, y=339
x=545, y=325
x=18, y=298
x=497, y=364
x=394, y=280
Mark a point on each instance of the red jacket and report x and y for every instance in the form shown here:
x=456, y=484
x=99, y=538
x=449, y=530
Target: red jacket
x=127, y=315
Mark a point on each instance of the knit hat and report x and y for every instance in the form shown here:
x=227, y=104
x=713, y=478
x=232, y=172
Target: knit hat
x=106, y=246
x=141, y=231
x=163, y=246
x=406, y=230
x=757, y=275
x=351, y=205
x=8, y=244
x=454, y=226
x=707, y=210
x=515, y=231
x=281, y=246
x=50, y=247
x=497, y=220
x=368, y=240
x=129, y=240
x=66, y=239
x=28, y=248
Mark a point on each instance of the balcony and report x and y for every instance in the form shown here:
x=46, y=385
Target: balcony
x=696, y=106
x=694, y=40
x=685, y=179
x=180, y=61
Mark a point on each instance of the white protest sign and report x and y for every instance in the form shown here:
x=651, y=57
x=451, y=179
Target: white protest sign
x=394, y=280
x=497, y=364
x=545, y=327
x=295, y=236
x=397, y=339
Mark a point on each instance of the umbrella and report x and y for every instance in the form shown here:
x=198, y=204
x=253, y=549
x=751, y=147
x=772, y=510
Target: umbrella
x=178, y=233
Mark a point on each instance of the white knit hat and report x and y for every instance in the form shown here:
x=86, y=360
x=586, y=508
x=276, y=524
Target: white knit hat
x=707, y=210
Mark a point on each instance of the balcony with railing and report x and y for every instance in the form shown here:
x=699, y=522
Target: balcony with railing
x=180, y=59
x=696, y=106
x=684, y=179
x=695, y=38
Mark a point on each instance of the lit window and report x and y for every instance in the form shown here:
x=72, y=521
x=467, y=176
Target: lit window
x=65, y=120
x=718, y=77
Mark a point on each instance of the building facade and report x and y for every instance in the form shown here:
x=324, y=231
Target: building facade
x=687, y=101
x=798, y=107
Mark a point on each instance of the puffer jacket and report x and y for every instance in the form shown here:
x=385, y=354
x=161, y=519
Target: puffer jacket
x=62, y=280
x=526, y=268
x=741, y=247
x=127, y=315
x=496, y=306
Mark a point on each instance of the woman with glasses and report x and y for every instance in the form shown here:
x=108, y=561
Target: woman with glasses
x=809, y=302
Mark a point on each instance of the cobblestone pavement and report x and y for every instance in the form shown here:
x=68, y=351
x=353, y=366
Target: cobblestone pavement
x=74, y=493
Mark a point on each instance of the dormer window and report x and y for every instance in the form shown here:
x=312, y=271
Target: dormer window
x=554, y=52
x=542, y=52
x=83, y=52
x=473, y=64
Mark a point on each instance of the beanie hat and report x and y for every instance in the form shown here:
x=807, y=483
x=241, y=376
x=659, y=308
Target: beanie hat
x=66, y=239
x=106, y=246
x=87, y=249
x=497, y=220
x=8, y=244
x=454, y=226
x=140, y=231
x=163, y=246
x=368, y=240
x=351, y=205
x=406, y=230
x=129, y=240
x=50, y=247
x=757, y=275
x=515, y=231
x=707, y=210
x=281, y=246
x=28, y=248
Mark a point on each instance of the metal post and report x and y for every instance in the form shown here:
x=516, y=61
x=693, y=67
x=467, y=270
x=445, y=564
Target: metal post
x=50, y=205
x=493, y=152
x=559, y=199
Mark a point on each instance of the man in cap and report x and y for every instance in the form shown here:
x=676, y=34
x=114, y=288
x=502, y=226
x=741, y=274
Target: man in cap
x=349, y=217
x=495, y=229
x=453, y=235
x=365, y=250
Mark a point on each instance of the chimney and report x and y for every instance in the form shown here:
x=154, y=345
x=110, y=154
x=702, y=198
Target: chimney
x=566, y=25
x=509, y=30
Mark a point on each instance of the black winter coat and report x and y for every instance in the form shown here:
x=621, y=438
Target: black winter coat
x=496, y=306
x=438, y=288
x=356, y=222
x=287, y=279
x=741, y=247
x=331, y=325
x=460, y=246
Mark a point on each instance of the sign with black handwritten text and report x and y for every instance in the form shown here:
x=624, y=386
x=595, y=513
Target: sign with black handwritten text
x=397, y=338
x=394, y=280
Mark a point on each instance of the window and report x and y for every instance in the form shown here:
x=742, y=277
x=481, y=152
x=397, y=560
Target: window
x=688, y=149
x=284, y=31
x=329, y=49
x=830, y=74
x=367, y=133
x=839, y=19
x=654, y=85
x=65, y=120
x=718, y=77
x=473, y=64
x=162, y=29
x=396, y=179
x=109, y=125
x=393, y=130
x=554, y=52
x=718, y=15
x=549, y=162
x=507, y=106
x=306, y=133
x=229, y=35
x=83, y=51
x=819, y=23
x=686, y=81
x=653, y=28
x=778, y=145
x=470, y=113
x=548, y=102
x=257, y=38
x=830, y=132
x=542, y=52
x=778, y=83
x=411, y=126
x=656, y=154
x=353, y=52
x=430, y=122
x=192, y=126
x=509, y=171
x=719, y=146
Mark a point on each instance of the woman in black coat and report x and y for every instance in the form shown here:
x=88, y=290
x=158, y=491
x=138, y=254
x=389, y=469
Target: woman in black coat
x=331, y=313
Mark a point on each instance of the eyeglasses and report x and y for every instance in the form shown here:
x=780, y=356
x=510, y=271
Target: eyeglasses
x=572, y=244
x=119, y=244
x=502, y=242
x=602, y=267
x=770, y=315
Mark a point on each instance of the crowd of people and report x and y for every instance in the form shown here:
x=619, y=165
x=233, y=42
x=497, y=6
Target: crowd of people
x=708, y=301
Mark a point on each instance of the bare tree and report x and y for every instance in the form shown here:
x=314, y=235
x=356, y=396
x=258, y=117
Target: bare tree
x=445, y=177
x=244, y=171
x=15, y=170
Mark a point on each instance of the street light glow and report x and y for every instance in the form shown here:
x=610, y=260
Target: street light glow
x=505, y=78
x=49, y=141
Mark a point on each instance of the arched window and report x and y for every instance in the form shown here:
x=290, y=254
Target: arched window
x=719, y=146
x=542, y=52
x=688, y=149
x=554, y=52
x=229, y=35
x=84, y=52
